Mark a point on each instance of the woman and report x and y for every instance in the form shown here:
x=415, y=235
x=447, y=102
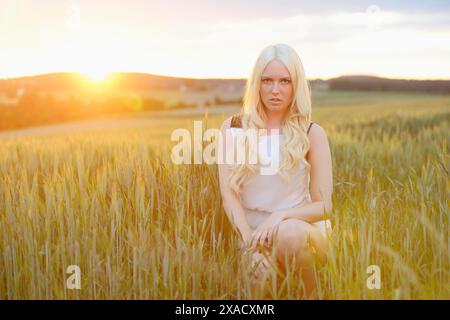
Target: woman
x=288, y=210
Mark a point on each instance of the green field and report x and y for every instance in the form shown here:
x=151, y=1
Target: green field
x=139, y=227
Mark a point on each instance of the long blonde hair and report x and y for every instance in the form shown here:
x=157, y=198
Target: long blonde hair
x=295, y=124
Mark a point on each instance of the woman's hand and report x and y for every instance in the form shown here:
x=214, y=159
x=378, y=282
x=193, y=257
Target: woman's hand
x=260, y=264
x=264, y=233
x=247, y=237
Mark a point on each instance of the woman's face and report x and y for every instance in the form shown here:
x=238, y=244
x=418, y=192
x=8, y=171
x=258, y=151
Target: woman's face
x=276, y=87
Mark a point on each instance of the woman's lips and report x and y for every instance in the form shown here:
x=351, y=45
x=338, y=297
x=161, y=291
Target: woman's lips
x=275, y=100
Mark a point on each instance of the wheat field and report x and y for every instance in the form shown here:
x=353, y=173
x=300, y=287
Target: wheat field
x=140, y=227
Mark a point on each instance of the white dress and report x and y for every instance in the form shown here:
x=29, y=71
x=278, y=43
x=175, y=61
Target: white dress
x=263, y=194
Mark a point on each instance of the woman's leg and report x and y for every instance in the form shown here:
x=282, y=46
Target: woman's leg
x=307, y=244
x=265, y=264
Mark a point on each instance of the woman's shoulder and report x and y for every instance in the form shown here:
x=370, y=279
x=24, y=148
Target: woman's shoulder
x=316, y=134
x=235, y=121
x=317, y=138
x=315, y=129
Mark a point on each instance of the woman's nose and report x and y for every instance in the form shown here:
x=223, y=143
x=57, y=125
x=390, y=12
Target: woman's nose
x=275, y=87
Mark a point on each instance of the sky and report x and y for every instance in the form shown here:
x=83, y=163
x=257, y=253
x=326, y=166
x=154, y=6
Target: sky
x=222, y=39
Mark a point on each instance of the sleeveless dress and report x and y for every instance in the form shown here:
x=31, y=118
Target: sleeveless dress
x=263, y=194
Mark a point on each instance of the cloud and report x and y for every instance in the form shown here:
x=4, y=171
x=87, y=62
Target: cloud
x=373, y=41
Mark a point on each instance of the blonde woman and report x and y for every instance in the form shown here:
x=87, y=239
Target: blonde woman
x=289, y=209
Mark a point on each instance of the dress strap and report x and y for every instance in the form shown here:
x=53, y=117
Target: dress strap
x=309, y=127
x=236, y=121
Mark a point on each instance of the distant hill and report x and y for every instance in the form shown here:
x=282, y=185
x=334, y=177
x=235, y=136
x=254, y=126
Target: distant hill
x=370, y=83
x=62, y=97
x=138, y=82
x=142, y=82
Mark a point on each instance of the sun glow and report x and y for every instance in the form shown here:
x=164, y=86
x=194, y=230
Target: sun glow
x=96, y=76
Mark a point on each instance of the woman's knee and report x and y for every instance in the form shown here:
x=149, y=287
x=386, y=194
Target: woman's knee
x=299, y=238
x=292, y=236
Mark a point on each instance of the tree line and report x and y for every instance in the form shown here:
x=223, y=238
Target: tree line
x=37, y=108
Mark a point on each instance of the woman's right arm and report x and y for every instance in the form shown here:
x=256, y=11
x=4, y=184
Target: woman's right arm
x=230, y=200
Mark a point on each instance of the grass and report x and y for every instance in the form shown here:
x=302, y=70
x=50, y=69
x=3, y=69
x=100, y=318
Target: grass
x=140, y=227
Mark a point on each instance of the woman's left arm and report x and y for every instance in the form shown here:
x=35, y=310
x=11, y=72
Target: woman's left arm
x=321, y=181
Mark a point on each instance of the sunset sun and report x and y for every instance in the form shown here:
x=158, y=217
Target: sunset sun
x=96, y=76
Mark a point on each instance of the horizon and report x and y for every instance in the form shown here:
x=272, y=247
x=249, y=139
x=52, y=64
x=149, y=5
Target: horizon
x=213, y=78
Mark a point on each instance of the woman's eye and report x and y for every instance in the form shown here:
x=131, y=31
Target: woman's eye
x=284, y=81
